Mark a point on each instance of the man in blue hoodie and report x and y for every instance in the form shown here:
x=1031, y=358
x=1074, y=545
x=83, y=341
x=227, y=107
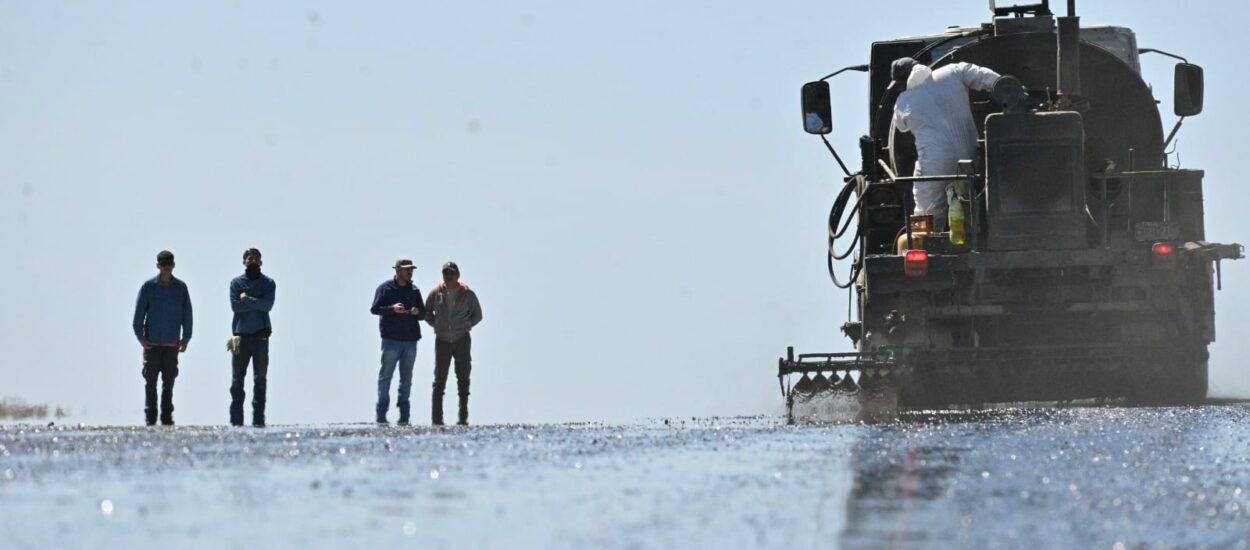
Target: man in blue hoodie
x=162, y=324
x=251, y=299
x=399, y=307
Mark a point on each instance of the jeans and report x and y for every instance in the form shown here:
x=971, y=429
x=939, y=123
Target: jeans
x=444, y=352
x=162, y=362
x=404, y=354
x=253, y=348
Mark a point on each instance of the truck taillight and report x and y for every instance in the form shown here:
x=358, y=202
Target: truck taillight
x=1164, y=255
x=916, y=263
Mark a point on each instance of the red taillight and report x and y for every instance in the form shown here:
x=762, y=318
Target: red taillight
x=1164, y=255
x=916, y=263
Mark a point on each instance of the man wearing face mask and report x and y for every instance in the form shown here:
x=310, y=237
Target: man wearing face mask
x=251, y=299
x=935, y=108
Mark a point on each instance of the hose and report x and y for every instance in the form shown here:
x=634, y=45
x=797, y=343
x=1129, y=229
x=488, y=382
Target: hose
x=838, y=228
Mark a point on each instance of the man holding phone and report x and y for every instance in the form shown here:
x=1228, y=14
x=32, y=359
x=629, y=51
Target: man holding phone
x=398, y=305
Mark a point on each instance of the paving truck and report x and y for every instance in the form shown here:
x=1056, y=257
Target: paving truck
x=1079, y=267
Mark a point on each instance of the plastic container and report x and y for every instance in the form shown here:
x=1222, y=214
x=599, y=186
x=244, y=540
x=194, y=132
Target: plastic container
x=955, y=217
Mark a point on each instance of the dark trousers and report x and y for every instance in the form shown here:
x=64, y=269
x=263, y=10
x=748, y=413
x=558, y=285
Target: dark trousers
x=255, y=349
x=162, y=362
x=444, y=353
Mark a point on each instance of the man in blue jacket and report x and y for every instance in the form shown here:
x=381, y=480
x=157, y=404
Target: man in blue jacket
x=251, y=299
x=162, y=324
x=398, y=305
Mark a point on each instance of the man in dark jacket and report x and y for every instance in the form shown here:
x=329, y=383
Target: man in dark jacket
x=399, y=308
x=251, y=299
x=453, y=310
x=162, y=324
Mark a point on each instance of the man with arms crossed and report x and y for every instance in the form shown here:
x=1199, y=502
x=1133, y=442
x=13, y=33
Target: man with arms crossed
x=251, y=299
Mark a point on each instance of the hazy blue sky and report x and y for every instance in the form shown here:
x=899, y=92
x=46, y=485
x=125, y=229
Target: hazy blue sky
x=627, y=186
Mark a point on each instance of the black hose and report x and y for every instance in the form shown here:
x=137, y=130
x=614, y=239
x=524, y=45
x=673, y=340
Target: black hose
x=836, y=214
x=849, y=250
x=839, y=208
x=854, y=275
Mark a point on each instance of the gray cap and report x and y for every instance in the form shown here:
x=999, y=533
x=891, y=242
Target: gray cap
x=901, y=69
x=404, y=263
x=452, y=266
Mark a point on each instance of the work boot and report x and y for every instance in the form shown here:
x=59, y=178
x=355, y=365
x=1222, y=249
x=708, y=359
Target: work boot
x=436, y=409
x=464, y=411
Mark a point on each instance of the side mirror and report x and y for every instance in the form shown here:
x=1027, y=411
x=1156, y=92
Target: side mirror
x=1188, y=89
x=817, y=114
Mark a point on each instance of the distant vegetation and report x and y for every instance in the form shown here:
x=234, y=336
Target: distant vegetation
x=13, y=408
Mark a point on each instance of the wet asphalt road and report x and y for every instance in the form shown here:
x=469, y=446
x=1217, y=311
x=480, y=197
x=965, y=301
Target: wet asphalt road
x=1065, y=478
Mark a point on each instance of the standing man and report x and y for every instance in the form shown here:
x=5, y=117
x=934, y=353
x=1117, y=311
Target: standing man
x=935, y=108
x=162, y=324
x=399, y=308
x=453, y=310
x=251, y=298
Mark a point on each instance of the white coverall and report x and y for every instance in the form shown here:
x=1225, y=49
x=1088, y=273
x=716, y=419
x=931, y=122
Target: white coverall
x=935, y=108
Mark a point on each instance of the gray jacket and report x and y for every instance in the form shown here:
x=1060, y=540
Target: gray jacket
x=452, y=319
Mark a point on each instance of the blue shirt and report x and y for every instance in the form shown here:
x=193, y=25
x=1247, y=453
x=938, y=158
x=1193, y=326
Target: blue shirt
x=404, y=327
x=163, y=313
x=251, y=314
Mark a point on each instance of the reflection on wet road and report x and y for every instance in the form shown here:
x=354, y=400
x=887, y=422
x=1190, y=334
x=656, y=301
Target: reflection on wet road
x=1080, y=477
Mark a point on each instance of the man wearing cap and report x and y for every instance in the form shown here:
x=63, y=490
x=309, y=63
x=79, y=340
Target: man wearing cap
x=398, y=305
x=162, y=324
x=453, y=310
x=251, y=299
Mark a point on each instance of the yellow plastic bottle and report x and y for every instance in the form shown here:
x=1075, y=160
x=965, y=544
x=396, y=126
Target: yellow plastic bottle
x=955, y=217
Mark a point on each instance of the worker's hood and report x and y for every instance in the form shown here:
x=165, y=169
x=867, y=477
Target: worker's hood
x=920, y=75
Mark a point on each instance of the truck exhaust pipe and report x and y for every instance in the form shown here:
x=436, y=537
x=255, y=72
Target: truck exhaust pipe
x=1069, y=73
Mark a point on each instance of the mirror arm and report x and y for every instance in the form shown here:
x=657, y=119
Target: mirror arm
x=857, y=68
x=835, y=155
x=1161, y=52
x=1173, y=133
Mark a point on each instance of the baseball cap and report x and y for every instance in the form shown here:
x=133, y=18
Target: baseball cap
x=900, y=70
x=452, y=266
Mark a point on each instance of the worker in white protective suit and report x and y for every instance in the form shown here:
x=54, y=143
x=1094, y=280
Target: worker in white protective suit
x=935, y=108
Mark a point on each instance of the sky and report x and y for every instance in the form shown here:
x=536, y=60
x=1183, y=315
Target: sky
x=626, y=186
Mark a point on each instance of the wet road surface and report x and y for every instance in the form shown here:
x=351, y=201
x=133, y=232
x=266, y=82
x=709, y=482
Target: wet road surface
x=1060, y=478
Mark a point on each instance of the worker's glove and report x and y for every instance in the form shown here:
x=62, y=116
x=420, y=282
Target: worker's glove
x=232, y=344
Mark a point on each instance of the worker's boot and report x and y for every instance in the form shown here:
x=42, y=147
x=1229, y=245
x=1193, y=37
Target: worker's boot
x=436, y=409
x=464, y=410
